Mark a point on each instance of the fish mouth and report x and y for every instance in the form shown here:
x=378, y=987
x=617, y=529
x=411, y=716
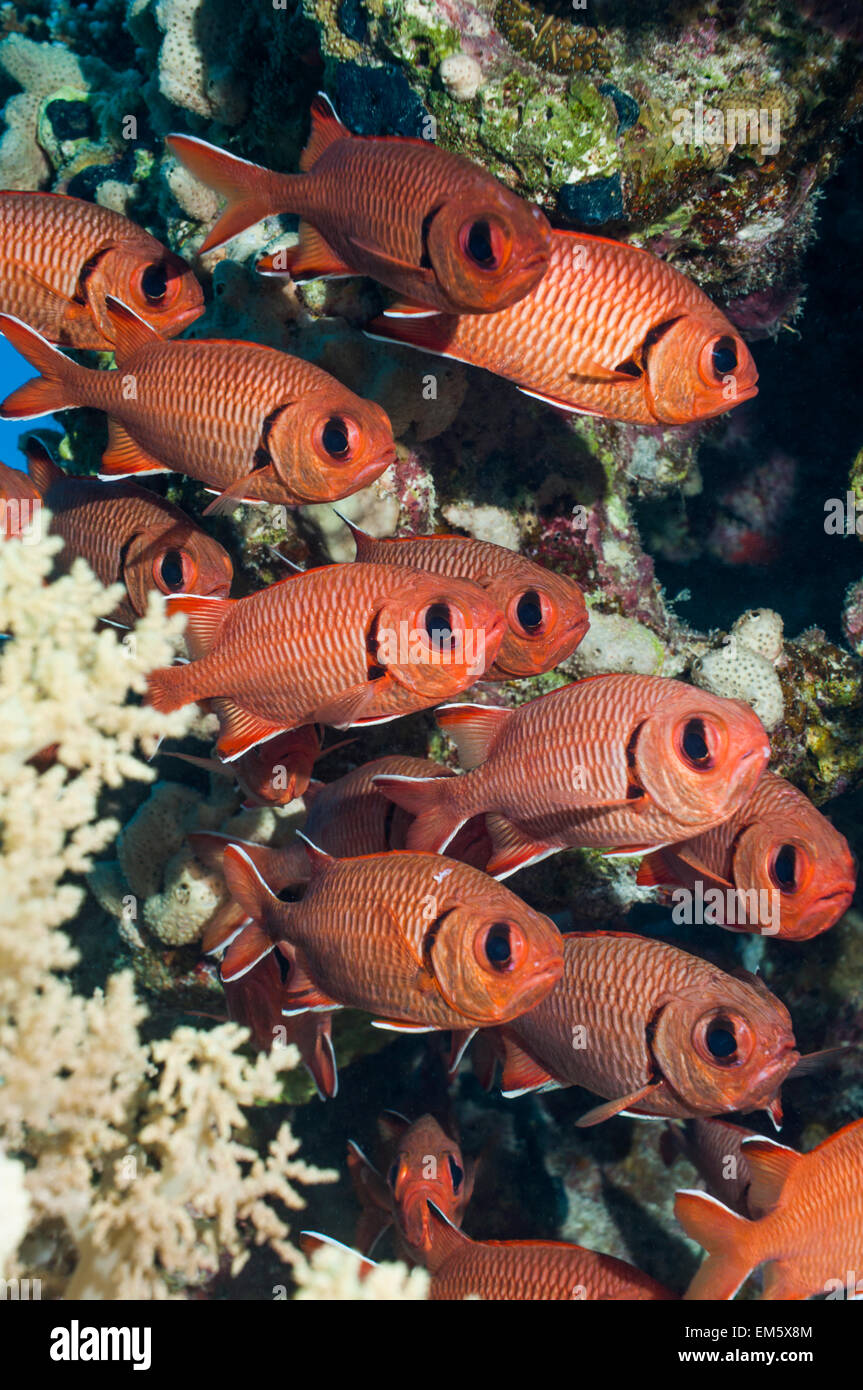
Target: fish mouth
x=187, y=316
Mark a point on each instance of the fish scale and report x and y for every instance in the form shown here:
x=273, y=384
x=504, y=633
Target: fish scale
x=526, y=1270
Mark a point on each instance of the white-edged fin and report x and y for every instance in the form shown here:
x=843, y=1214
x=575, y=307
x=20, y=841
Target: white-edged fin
x=545, y=854
x=765, y=1139
x=339, y=1245
x=403, y=1027
x=291, y=564
x=328, y=1043
x=454, y=1061
x=240, y=973
x=322, y=96
x=416, y=347
x=531, y=1090
x=416, y=314
x=556, y=404
x=352, y=1144
x=219, y=951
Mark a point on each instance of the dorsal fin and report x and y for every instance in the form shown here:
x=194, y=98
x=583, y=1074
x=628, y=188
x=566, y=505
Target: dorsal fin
x=41, y=466
x=320, y=860
x=326, y=129
x=770, y=1164
x=129, y=332
x=473, y=729
x=362, y=540
x=446, y=1240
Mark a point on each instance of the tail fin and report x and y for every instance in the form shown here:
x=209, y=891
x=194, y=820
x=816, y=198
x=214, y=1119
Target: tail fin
x=54, y=389
x=426, y=799
x=725, y=1237
x=252, y=192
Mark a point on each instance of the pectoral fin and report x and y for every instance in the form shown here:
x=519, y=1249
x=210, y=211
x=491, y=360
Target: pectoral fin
x=614, y=1107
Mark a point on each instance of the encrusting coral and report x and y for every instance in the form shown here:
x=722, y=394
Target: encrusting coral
x=141, y=1172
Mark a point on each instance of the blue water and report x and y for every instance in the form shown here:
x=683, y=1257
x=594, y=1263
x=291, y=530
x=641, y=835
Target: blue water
x=14, y=370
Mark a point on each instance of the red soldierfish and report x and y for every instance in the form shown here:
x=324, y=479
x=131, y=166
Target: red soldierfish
x=347, y=818
x=256, y=1000
x=522, y=1270
x=129, y=536
x=62, y=257
x=249, y=422
x=422, y=942
x=431, y=225
x=546, y=616
x=326, y=646
x=619, y=762
x=715, y=1148
x=610, y=331
x=810, y=1234
x=418, y=1164
x=777, y=866
x=655, y=1030
x=275, y=773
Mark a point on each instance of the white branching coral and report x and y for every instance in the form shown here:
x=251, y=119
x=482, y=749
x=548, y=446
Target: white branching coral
x=140, y=1172
x=339, y=1275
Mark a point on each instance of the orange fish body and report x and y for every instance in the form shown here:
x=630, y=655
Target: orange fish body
x=255, y=1001
x=431, y=225
x=795, y=870
x=245, y=420
x=62, y=257
x=20, y=502
x=545, y=612
x=418, y=1164
x=615, y=762
x=346, y=818
x=611, y=330
x=271, y=669
x=420, y=941
x=522, y=1270
x=715, y=1148
x=130, y=536
x=655, y=1030
x=809, y=1235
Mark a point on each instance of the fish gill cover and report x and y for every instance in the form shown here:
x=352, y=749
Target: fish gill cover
x=411, y=361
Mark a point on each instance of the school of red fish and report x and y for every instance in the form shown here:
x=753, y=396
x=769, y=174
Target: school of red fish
x=397, y=906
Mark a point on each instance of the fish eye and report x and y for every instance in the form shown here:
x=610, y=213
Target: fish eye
x=720, y=1039
x=695, y=746
x=485, y=244
x=154, y=282
x=723, y=1039
x=392, y=1175
x=438, y=624
x=172, y=570
x=529, y=611
x=783, y=868
x=723, y=358
x=498, y=946
x=335, y=437
x=456, y=1173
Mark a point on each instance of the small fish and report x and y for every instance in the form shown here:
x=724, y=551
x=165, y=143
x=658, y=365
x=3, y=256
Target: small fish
x=20, y=502
x=347, y=818
x=524, y=1270
x=715, y=1148
x=341, y=645
x=793, y=873
x=61, y=258
x=274, y=774
x=622, y=763
x=653, y=1029
x=249, y=422
x=256, y=1000
x=129, y=536
x=418, y=1164
x=545, y=612
x=810, y=1232
x=611, y=331
x=429, y=224
x=421, y=942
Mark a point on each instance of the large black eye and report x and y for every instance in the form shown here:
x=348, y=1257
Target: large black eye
x=785, y=868
x=724, y=356
x=171, y=569
x=694, y=744
x=154, y=282
x=529, y=611
x=479, y=245
x=439, y=624
x=456, y=1173
x=335, y=438
x=393, y=1174
x=720, y=1039
x=498, y=946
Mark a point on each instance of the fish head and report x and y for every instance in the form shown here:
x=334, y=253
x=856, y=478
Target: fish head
x=157, y=284
x=488, y=248
x=803, y=860
x=329, y=444
x=697, y=367
x=725, y=1047
x=175, y=559
x=278, y=771
x=492, y=957
x=546, y=619
x=435, y=636
x=698, y=756
x=427, y=1166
